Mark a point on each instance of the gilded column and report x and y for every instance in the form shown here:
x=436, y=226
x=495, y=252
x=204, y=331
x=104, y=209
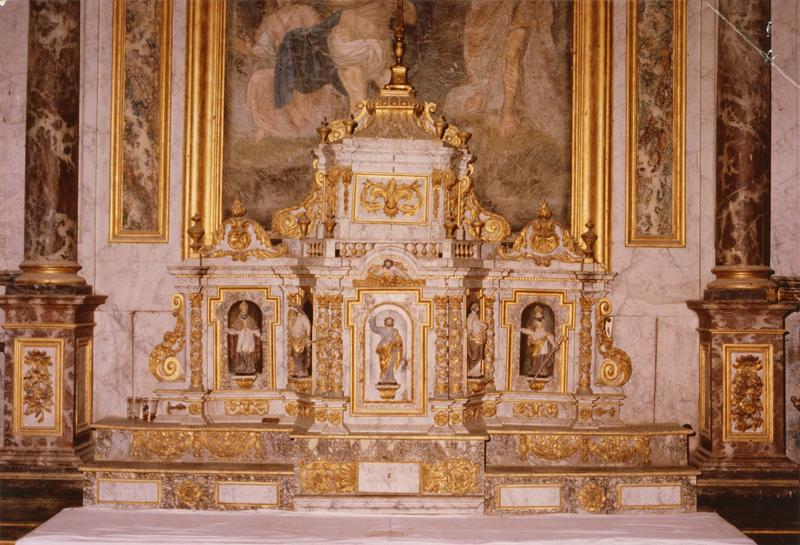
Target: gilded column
x=456, y=345
x=743, y=146
x=51, y=144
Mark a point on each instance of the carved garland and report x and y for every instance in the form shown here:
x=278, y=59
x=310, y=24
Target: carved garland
x=747, y=390
x=440, y=309
x=196, y=340
x=38, y=385
x=331, y=347
x=171, y=444
x=455, y=344
x=488, y=348
x=163, y=363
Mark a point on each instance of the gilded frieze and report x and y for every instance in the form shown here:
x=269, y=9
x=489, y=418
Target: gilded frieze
x=534, y=409
x=170, y=444
x=324, y=477
x=457, y=476
x=246, y=407
x=163, y=362
x=615, y=449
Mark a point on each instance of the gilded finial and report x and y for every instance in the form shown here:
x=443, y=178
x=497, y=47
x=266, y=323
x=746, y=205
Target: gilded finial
x=399, y=80
x=324, y=130
x=238, y=210
x=544, y=210
x=196, y=233
x=589, y=238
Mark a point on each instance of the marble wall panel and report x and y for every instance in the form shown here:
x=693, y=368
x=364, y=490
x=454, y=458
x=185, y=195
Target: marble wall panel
x=793, y=387
x=13, y=76
x=638, y=335
x=677, y=371
x=113, y=364
x=656, y=122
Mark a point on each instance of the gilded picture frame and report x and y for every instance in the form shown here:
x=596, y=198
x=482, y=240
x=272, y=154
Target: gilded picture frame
x=591, y=119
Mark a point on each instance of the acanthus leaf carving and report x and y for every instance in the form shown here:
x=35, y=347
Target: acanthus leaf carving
x=163, y=363
x=616, y=368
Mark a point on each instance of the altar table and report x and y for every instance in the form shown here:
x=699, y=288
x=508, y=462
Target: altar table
x=175, y=527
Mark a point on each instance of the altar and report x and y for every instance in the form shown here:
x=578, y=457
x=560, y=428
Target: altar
x=390, y=345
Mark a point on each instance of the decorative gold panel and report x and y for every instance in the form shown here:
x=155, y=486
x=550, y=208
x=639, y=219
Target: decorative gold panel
x=646, y=134
x=390, y=198
x=153, y=121
x=747, y=389
x=456, y=477
x=591, y=119
x=174, y=443
x=38, y=369
x=323, y=477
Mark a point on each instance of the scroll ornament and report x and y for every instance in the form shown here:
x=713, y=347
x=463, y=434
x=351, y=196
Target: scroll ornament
x=163, y=363
x=616, y=367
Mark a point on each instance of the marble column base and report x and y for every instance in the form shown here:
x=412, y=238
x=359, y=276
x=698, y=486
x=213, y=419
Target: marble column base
x=742, y=407
x=47, y=409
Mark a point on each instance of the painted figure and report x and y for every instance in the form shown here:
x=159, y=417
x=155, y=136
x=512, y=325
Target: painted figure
x=541, y=345
x=476, y=341
x=390, y=350
x=299, y=343
x=245, y=358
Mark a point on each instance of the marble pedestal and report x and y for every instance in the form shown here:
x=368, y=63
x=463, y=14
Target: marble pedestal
x=48, y=376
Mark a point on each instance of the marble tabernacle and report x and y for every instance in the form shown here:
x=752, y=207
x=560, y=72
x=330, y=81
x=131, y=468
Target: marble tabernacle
x=384, y=347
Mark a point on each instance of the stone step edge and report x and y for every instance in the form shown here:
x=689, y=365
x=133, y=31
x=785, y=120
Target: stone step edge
x=582, y=471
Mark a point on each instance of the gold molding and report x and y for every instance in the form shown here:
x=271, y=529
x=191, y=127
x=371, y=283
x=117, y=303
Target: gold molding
x=117, y=233
x=766, y=354
x=591, y=119
x=705, y=386
x=20, y=347
x=563, y=302
x=677, y=239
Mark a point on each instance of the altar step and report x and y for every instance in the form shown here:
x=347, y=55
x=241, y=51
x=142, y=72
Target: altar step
x=400, y=504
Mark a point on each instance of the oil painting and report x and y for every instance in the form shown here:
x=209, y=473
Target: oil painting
x=501, y=70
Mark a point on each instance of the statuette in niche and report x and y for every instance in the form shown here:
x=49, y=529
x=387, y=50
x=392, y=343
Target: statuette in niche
x=299, y=342
x=538, y=344
x=391, y=355
x=244, y=339
x=476, y=341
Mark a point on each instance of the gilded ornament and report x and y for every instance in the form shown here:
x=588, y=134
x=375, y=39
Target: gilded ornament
x=455, y=344
x=37, y=385
x=488, y=349
x=285, y=220
x=162, y=361
x=489, y=409
x=440, y=418
x=393, y=194
x=535, y=409
x=196, y=340
x=195, y=408
x=618, y=449
x=323, y=477
x=330, y=344
x=473, y=413
x=747, y=389
x=238, y=232
x=246, y=407
x=616, y=367
x=173, y=443
x=543, y=241
x=388, y=274
x=190, y=494
x=457, y=477
x=440, y=309
x=592, y=497
x=585, y=351
x=494, y=227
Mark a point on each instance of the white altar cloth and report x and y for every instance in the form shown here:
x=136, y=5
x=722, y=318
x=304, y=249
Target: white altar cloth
x=177, y=527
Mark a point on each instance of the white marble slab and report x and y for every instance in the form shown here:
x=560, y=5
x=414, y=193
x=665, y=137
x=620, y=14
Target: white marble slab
x=529, y=497
x=257, y=494
x=649, y=497
x=388, y=478
x=176, y=527
x=124, y=491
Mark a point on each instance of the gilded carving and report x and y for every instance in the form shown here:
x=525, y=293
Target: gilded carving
x=440, y=309
x=455, y=344
x=747, y=389
x=393, y=194
x=37, y=385
x=543, y=241
x=585, y=348
x=191, y=494
x=323, y=477
x=300, y=410
x=388, y=274
x=287, y=221
x=480, y=223
x=246, y=407
x=535, y=409
x=457, y=477
x=238, y=233
x=330, y=344
x=611, y=448
x=592, y=497
x=173, y=443
x=163, y=363
x=616, y=367
x=196, y=340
